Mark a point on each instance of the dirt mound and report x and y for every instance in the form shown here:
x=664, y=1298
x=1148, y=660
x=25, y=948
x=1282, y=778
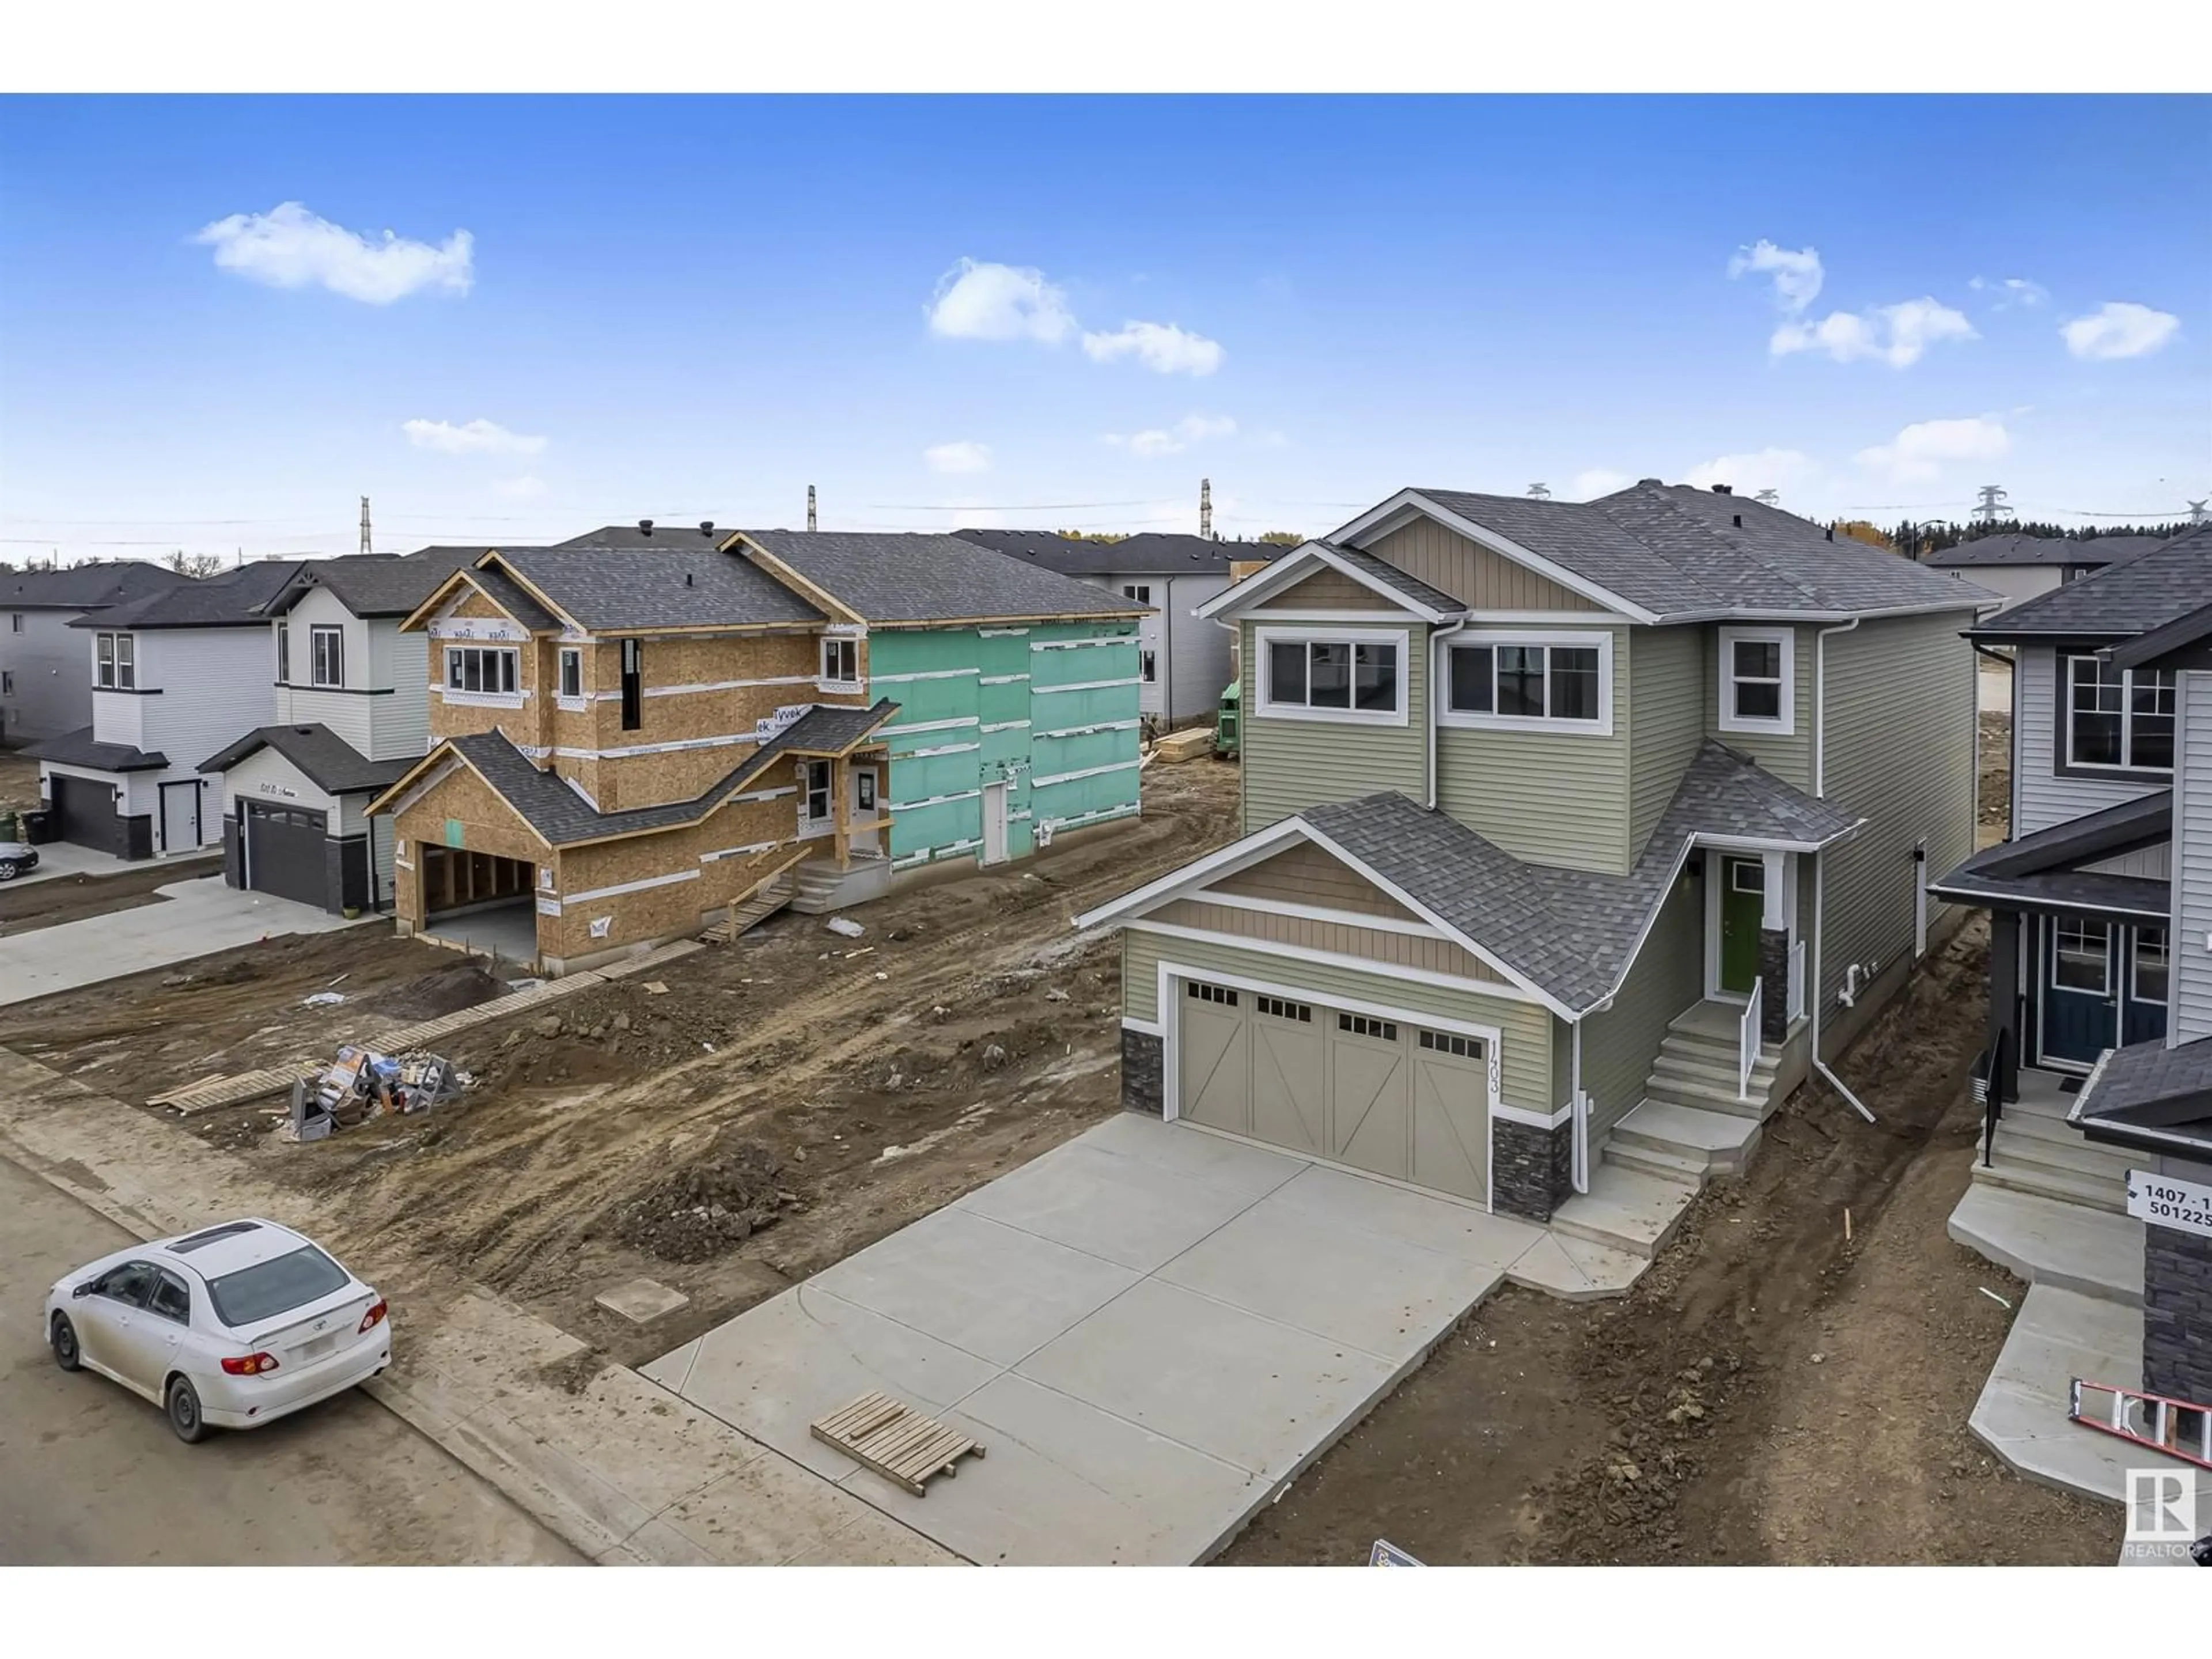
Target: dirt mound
x=442, y=991
x=699, y=1212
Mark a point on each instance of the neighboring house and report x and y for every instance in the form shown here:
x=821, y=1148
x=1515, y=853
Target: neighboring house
x=1183, y=663
x=1573, y=831
x=2021, y=567
x=635, y=730
x=2101, y=958
x=175, y=676
x=351, y=714
x=45, y=677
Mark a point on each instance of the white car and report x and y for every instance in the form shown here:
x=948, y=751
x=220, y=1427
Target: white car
x=17, y=858
x=229, y=1328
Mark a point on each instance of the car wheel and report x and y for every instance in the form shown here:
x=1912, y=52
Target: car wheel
x=64, y=1337
x=9, y=870
x=184, y=1407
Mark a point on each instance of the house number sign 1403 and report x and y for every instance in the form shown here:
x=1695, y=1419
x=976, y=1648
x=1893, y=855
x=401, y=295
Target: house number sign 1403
x=2164, y=1201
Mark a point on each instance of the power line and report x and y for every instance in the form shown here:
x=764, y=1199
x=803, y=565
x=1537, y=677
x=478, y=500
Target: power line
x=1009, y=507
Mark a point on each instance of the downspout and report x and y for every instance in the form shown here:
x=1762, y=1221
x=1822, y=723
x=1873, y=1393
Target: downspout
x=1436, y=637
x=1819, y=860
x=1580, y=1106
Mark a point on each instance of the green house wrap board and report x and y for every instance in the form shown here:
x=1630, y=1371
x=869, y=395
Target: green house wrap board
x=1049, y=712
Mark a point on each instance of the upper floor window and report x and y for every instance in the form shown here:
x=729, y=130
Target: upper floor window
x=572, y=670
x=1757, y=669
x=2119, y=718
x=1512, y=682
x=283, y=652
x=1140, y=592
x=327, y=656
x=840, y=660
x=1307, y=674
x=1148, y=667
x=479, y=668
x=14, y=622
x=116, y=657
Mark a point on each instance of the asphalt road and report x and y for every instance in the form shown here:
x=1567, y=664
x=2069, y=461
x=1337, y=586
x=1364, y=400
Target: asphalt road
x=90, y=1473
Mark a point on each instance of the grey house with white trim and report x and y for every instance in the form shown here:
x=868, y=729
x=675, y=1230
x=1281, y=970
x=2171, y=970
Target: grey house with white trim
x=1576, y=834
x=2022, y=567
x=45, y=675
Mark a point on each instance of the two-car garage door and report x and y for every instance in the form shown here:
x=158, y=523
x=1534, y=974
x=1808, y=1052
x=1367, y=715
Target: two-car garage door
x=1379, y=1094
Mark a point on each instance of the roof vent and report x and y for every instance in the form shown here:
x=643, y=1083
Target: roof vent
x=1723, y=489
x=1641, y=481
x=1831, y=533
x=687, y=579
x=706, y=526
x=645, y=526
x=305, y=730
x=1738, y=519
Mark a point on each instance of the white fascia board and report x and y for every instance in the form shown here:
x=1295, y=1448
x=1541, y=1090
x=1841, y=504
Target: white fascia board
x=1224, y=861
x=1300, y=564
x=1368, y=523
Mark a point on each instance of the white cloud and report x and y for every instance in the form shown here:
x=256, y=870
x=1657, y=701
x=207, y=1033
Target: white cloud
x=1918, y=453
x=1796, y=271
x=2011, y=291
x=475, y=437
x=519, y=489
x=1162, y=347
x=1594, y=482
x=979, y=300
x=2119, y=328
x=1173, y=441
x=1898, y=335
x=289, y=247
x=1766, y=468
x=960, y=457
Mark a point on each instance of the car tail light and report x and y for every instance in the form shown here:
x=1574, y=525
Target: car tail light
x=375, y=1317
x=254, y=1365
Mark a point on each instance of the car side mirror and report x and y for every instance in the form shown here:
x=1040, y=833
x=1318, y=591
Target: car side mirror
x=81, y=1290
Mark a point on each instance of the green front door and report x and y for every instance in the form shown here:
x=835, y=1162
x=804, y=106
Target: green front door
x=1743, y=901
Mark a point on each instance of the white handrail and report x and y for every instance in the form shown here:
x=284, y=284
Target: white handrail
x=1797, y=981
x=1748, y=1041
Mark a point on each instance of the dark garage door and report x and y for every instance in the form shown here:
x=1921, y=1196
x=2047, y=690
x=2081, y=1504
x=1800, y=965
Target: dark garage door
x=84, y=812
x=284, y=853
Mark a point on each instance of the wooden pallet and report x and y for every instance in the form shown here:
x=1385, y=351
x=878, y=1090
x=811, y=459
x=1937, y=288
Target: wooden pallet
x=895, y=1441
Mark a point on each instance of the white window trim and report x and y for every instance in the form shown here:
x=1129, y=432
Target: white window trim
x=459, y=695
x=1264, y=640
x=571, y=701
x=316, y=633
x=1599, y=640
x=2127, y=763
x=1785, y=726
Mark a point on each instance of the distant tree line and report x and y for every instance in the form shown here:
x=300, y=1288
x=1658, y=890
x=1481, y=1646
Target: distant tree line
x=1928, y=539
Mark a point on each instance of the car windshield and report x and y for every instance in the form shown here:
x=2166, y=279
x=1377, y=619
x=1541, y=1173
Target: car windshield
x=278, y=1285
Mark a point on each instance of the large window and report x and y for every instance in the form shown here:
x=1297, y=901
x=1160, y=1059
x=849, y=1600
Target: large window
x=1308, y=675
x=327, y=656
x=572, y=670
x=2121, y=719
x=484, y=669
x=1516, y=680
x=840, y=660
x=117, y=658
x=815, y=775
x=1757, y=666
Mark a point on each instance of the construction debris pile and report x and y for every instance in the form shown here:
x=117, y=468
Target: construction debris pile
x=359, y=1086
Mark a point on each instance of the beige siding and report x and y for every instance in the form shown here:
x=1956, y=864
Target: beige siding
x=1288, y=765
x=1434, y=955
x=1471, y=573
x=1619, y=1045
x=1789, y=758
x=1524, y=1028
x=1556, y=800
x=1329, y=590
x=1307, y=875
x=1900, y=753
x=1669, y=666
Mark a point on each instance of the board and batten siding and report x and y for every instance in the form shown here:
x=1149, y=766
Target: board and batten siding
x=1788, y=757
x=1288, y=765
x=1899, y=735
x=1669, y=665
x=2189, y=1015
x=1471, y=573
x=1524, y=1028
x=2041, y=795
x=1620, y=1044
x=1329, y=590
x=1304, y=874
x=1553, y=798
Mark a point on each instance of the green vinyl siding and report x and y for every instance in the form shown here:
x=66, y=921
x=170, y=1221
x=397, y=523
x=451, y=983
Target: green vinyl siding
x=1288, y=765
x=1556, y=799
x=1524, y=1028
x=1789, y=759
x=1669, y=666
x=1900, y=754
x=981, y=706
x=1620, y=1044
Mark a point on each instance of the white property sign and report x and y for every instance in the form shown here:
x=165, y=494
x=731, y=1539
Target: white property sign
x=2164, y=1201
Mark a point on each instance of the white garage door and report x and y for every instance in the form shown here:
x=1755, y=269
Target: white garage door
x=1379, y=1094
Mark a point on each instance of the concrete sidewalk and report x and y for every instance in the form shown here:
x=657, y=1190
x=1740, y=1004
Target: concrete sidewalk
x=1151, y=1329
x=622, y=1469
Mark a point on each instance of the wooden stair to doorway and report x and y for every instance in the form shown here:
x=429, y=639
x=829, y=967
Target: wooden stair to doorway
x=767, y=896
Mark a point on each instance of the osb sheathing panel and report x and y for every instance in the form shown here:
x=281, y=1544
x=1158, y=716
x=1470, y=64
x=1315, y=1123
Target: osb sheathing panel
x=474, y=603
x=676, y=906
x=458, y=719
x=1434, y=955
x=488, y=824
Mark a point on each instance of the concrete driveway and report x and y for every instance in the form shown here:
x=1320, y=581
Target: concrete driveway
x=193, y=918
x=1149, y=1329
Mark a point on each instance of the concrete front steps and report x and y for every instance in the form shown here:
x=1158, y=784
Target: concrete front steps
x=823, y=887
x=2039, y=1153
x=1685, y=1143
x=1697, y=1067
x=1632, y=1212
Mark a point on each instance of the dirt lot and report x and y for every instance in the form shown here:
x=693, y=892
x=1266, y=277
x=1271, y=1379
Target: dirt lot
x=1771, y=1391
x=73, y=898
x=18, y=782
x=1994, y=815
x=787, y=1100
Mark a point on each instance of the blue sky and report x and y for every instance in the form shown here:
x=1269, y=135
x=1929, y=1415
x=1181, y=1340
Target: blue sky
x=687, y=307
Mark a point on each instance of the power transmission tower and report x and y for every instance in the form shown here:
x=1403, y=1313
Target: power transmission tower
x=1206, y=508
x=1541, y=492
x=810, y=507
x=2196, y=513
x=1992, y=506
x=364, y=524
x=1768, y=498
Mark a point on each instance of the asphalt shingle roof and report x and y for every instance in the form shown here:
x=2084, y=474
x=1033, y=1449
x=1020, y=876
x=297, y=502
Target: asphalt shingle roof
x=1397, y=581
x=2093, y=835
x=78, y=748
x=512, y=598
x=894, y=578
x=2141, y=592
x=86, y=587
x=2020, y=549
x=233, y=598
x=1149, y=554
x=2149, y=1085
x=327, y=760
x=376, y=584
x=687, y=586
x=710, y=534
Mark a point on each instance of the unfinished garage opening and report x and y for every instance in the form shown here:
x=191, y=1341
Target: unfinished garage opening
x=482, y=899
